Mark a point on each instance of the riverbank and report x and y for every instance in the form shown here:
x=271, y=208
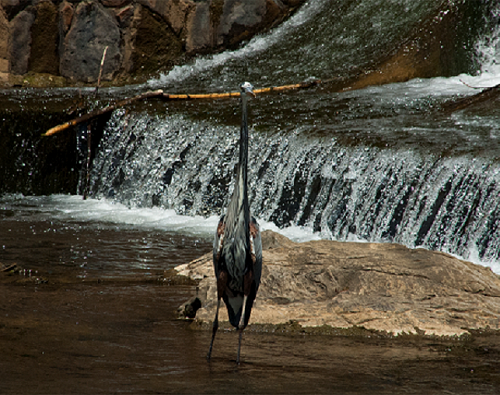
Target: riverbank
x=48, y=43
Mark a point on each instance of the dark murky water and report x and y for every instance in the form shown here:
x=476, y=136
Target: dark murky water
x=92, y=317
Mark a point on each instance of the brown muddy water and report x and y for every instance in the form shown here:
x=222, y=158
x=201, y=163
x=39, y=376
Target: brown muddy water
x=86, y=310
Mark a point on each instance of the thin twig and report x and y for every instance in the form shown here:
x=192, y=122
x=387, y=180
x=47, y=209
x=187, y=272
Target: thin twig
x=470, y=86
x=100, y=71
x=89, y=161
x=484, y=95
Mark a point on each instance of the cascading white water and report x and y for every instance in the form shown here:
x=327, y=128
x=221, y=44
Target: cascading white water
x=450, y=204
x=488, y=47
x=380, y=164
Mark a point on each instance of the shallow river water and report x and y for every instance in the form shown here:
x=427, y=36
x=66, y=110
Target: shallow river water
x=86, y=310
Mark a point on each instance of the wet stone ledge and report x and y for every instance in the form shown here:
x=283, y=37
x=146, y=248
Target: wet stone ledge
x=34, y=165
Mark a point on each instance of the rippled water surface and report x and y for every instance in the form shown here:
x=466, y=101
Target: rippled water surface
x=86, y=311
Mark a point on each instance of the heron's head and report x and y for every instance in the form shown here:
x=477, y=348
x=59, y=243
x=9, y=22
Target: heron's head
x=247, y=89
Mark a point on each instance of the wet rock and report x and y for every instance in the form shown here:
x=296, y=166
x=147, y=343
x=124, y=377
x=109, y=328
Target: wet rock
x=238, y=18
x=292, y=3
x=384, y=287
x=125, y=15
x=44, y=57
x=144, y=37
x=92, y=29
x=20, y=33
x=13, y=7
x=156, y=47
x=128, y=17
x=115, y=3
x=175, y=12
x=199, y=36
x=4, y=46
x=189, y=309
x=241, y=20
x=66, y=13
x=435, y=50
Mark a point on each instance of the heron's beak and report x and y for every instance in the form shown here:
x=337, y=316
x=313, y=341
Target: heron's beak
x=250, y=92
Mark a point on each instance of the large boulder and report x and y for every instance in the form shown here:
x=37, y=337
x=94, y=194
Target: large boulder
x=93, y=28
x=238, y=17
x=383, y=287
x=174, y=12
x=144, y=37
x=128, y=17
x=20, y=47
x=241, y=19
x=199, y=29
x=156, y=47
x=66, y=13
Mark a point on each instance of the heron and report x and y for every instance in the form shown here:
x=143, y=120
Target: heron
x=237, y=251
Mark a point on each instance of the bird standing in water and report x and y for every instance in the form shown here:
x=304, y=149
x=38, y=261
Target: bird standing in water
x=237, y=253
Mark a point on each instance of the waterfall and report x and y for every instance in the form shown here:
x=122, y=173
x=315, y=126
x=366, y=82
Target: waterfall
x=381, y=164
x=382, y=195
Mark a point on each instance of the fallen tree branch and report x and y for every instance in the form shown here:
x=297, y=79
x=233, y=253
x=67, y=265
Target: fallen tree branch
x=166, y=96
x=96, y=113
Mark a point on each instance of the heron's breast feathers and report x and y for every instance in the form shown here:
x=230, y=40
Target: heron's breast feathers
x=233, y=254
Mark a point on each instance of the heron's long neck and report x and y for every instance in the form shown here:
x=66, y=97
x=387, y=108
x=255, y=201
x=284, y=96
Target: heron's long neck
x=240, y=197
x=242, y=173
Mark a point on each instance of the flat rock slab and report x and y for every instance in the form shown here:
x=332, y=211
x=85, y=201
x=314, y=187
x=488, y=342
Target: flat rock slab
x=383, y=287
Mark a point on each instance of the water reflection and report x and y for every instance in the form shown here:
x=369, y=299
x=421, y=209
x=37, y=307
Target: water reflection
x=123, y=338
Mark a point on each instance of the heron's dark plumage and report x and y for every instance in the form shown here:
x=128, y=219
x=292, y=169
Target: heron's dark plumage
x=237, y=252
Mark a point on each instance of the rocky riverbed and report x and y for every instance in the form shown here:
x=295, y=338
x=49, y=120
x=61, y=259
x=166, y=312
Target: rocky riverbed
x=380, y=287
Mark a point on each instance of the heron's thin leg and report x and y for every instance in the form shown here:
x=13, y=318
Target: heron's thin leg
x=239, y=347
x=241, y=324
x=214, y=330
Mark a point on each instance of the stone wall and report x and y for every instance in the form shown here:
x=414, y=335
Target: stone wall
x=143, y=37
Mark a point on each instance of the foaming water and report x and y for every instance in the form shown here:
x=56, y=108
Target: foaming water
x=488, y=46
x=381, y=164
x=325, y=49
x=74, y=209
x=256, y=46
x=160, y=232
